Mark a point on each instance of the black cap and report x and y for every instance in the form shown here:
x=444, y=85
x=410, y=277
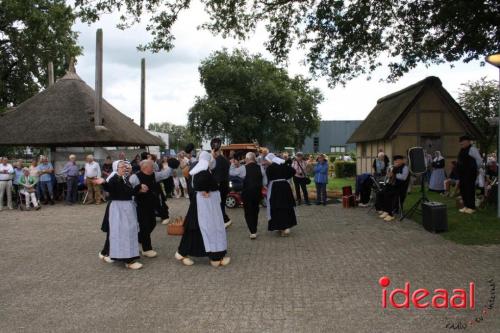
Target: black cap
x=189, y=148
x=397, y=157
x=464, y=138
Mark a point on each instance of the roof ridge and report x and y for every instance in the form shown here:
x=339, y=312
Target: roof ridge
x=430, y=80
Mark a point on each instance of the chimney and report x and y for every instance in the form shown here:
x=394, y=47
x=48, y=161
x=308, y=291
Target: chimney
x=143, y=93
x=98, y=78
x=51, y=74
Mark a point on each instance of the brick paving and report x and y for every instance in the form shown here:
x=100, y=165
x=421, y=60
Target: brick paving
x=323, y=278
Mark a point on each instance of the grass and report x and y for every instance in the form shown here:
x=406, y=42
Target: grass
x=336, y=184
x=481, y=228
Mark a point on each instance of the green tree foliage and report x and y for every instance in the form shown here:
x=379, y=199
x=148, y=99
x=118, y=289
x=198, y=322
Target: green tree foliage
x=344, y=39
x=32, y=33
x=250, y=99
x=178, y=136
x=480, y=101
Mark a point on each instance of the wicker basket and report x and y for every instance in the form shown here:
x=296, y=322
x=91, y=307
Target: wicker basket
x=176, y=228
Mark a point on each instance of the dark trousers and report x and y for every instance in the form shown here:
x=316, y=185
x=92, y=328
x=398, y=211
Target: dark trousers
x=147, y=223
x=251, y=208
x=300, y=183
x=387, y=200
x=468, y=191
x=72, y=189
x=224, y=190
x=321, y=192
x=47, y=189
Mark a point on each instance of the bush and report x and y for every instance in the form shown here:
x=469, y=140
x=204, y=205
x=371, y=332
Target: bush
x=344, y=169
x=332, y=159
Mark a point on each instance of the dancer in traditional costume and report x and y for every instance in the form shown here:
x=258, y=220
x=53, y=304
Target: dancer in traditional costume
x=147, y=201
x=438, y=175
x=204, y=231
x=280, y=202
x=120, y=220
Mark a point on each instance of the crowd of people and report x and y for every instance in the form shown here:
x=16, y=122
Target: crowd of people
x=136, y=192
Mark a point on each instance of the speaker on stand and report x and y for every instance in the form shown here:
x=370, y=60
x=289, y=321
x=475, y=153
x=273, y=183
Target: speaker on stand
x=417, y=165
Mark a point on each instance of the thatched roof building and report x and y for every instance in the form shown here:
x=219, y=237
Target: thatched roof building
x=423, y=114
x=63, y=116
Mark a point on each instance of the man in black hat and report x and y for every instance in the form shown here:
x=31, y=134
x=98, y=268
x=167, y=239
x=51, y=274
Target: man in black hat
x=394, y=191
x=468, y=163
x=221, y=175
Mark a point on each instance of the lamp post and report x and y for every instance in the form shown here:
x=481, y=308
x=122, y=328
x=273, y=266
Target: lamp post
x=494, y=59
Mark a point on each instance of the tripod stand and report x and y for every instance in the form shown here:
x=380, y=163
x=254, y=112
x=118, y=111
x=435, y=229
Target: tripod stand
x=417, y=206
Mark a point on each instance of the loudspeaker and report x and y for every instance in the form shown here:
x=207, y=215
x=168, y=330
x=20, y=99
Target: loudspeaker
x=434, y=216
x=416, y=159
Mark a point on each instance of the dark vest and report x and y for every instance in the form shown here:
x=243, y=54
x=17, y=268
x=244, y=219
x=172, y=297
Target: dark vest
x=252, y=183
x=400, y=183
x=150, y=182
x=466, y=164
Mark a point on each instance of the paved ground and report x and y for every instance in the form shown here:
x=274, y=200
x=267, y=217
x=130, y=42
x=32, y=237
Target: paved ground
x=323, y=278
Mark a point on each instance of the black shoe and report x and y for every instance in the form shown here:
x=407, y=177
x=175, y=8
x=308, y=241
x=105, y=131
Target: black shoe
x=324, y=203
x=308, y=203
x=318, y=203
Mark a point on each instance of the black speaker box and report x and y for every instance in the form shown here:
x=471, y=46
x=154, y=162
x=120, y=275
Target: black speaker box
x=416, y=159
x=434, y=216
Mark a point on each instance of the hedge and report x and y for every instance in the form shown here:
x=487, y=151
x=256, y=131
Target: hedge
x=344, y=169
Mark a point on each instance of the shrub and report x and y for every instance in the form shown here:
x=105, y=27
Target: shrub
x=344, y=169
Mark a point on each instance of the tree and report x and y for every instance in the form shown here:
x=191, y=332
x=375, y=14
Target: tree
x=250, y=99
x=178, y=136
x=344, y=39
x=32, y=33
x=479, y=99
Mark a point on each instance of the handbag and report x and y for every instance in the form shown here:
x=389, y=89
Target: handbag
x=176, y=228
x=307, y=179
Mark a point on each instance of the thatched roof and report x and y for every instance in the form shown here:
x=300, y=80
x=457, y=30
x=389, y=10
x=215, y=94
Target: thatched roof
x=391, y=110
x=63, y=116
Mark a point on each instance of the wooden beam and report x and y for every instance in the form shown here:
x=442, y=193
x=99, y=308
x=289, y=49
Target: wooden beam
x=98, y=78
x=143, y=93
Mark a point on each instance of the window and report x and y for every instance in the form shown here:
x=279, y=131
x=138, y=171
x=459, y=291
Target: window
x=337, y=149
x=316, y=144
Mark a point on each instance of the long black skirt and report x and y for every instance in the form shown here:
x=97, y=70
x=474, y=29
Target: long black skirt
x=192, y=241
x=282, y=206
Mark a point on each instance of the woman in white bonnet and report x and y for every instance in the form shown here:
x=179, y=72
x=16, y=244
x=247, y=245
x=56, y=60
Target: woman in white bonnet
x=204, y=231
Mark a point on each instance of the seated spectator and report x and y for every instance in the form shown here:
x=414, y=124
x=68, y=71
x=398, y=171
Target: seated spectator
x=451, y=183
x=364, y=184
x=81, y=180
x=27, y=188
x=237, y=173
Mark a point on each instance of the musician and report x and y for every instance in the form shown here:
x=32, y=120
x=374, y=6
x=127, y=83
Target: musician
x=468, y=163
x=394, y=190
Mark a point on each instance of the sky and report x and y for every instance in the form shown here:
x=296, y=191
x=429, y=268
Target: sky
x=172, y=79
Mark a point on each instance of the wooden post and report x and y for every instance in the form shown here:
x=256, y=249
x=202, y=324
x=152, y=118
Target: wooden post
x=98, y=78
x=143, y=93
x=51, y=73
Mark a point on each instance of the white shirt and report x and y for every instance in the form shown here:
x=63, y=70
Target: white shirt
x=10, y=171
x=240, y=171
x=92, y=170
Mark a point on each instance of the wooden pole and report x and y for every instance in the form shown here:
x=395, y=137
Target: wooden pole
x=51, y=73
x=98, y=78
x=143, y=93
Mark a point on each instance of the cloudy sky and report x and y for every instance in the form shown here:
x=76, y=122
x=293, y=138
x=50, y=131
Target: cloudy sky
x=172, y=80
